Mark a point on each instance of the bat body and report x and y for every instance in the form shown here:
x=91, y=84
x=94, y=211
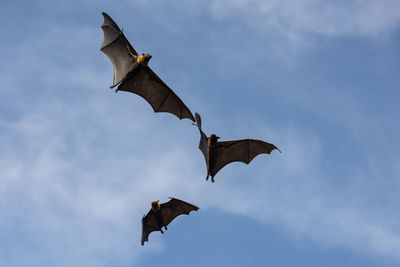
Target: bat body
x=218, y=154
x=212, y=148
x=160, y=215
x=132, y=73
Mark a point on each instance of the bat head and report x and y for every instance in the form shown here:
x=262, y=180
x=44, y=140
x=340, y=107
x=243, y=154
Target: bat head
x=144, y=59
x=214, y=138
x=155, y=206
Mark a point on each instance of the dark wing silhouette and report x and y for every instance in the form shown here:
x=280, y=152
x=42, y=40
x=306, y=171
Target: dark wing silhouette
x=144, y=82
x=169, y=211
x=240, y=150
x=149, y=224
x=136, y=79
x=118, y=50
x=203, y=138
x=175, y=207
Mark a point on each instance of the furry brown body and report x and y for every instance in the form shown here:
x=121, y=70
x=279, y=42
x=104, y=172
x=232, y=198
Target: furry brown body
x=156, y=209
x=212, y=146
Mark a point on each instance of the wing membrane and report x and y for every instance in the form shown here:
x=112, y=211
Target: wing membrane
x=175, y=207
x=149, y=224
x=148, y=85
x=244, y=150
x=118, y=50
x=203, y=138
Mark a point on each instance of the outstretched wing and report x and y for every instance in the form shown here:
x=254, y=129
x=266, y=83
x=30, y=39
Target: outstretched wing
x=144, y=82
x=240, y=150
x=149, y=224
x=203, y=138
x=175, y=207
x=118, y=49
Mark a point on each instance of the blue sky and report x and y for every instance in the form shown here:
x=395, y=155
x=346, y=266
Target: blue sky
x=79, y=164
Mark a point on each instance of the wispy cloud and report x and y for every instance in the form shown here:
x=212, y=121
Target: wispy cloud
x=296, y=21
x=76, y=164
x=339, y=18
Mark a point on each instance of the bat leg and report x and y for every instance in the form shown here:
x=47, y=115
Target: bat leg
x=161, y=231
x=116, y=90
x=208, y=174
x=165, y=227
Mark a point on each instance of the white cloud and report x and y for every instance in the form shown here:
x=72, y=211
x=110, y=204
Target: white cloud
x=293, y=18
x=79, y=167
x=86, y=189
x=296, y=18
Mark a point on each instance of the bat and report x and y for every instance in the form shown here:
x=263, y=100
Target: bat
x=218, y=154
x=132, y=73
x=160, y=215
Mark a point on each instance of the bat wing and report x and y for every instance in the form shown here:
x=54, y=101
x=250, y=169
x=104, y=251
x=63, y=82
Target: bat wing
x=175, y=207
x=240, y=150
x=118, y=50
x=149, y=224
x=203, y=138
x=148, y=85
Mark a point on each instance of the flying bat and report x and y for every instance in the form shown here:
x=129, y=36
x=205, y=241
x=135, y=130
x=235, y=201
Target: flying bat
x=132, y=73
x=160, y=215
x=218, y=154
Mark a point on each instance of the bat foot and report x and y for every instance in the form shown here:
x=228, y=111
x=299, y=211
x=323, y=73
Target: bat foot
x=165, y=227
x=212, y=180
x=116, y=90
x=162, y=231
